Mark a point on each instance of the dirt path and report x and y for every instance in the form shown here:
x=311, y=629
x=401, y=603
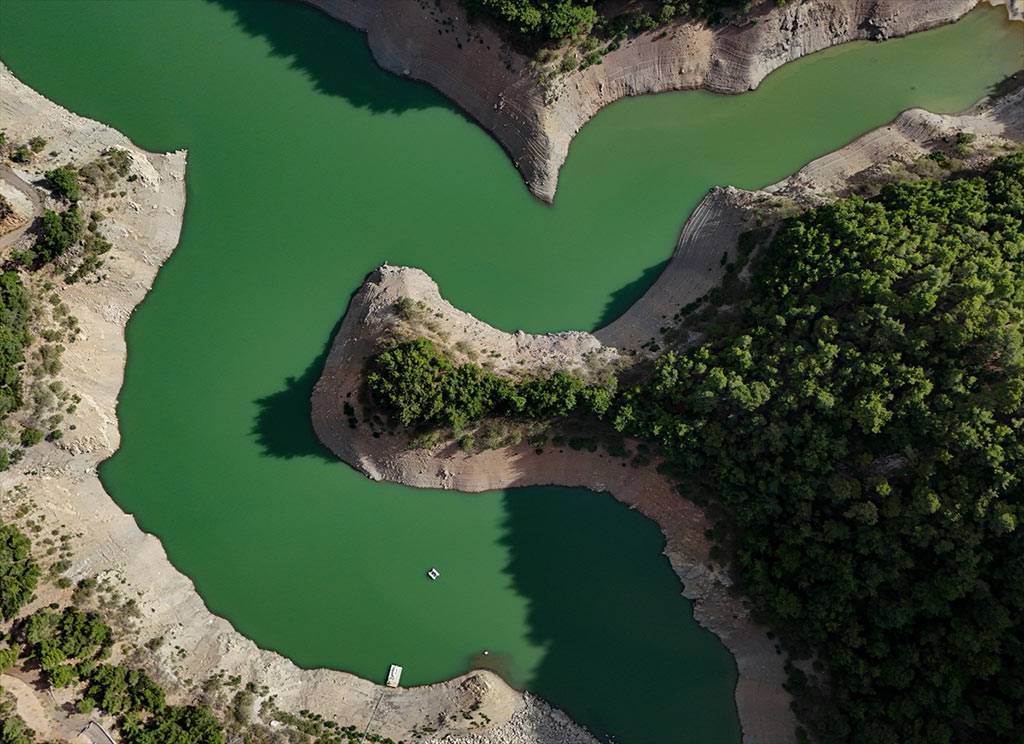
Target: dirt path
x=8, y=176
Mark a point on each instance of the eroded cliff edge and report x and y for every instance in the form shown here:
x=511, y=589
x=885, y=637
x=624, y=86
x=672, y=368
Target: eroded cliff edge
x=695, y=267
x=492, y=82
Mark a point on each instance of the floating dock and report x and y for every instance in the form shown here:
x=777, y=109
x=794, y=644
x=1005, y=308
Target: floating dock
x=394, y=675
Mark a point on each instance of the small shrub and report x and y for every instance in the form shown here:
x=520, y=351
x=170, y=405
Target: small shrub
x=21, y=154
x=64, y=181
x=30, y=436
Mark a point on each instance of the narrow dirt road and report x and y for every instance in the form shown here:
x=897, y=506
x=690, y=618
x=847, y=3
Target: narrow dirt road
x=9, y=176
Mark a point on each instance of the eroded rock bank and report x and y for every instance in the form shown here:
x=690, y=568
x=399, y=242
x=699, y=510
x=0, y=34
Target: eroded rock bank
x=60, y=477
x=435, y=42
x=376, y=311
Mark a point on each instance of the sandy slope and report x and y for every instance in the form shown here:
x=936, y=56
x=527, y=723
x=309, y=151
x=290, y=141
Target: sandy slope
x=762, y=702
x=433, y=41
x=61, y=477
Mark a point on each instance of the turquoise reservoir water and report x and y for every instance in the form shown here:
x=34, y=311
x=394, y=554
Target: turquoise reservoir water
x=308, y=166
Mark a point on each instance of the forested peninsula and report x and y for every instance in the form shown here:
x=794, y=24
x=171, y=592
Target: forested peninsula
x=849, y=403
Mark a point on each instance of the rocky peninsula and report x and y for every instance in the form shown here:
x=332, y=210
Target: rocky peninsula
x=60, y=479
x=375, y=313
x=536, y=126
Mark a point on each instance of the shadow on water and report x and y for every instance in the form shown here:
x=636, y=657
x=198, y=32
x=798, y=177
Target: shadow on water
x=327, y=52
x=622, y=299
x=621, y=654
x=283, y=427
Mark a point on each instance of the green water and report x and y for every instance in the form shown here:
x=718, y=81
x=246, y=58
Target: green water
x=307, y=167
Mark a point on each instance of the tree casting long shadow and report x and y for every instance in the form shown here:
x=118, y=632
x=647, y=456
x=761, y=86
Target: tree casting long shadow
x=623, y=298
x=333, y=54
x=283, y=426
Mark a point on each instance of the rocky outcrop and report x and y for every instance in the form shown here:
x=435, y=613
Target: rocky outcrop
x=433, y=41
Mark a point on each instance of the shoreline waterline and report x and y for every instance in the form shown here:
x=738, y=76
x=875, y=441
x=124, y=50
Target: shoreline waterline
x=238, y=412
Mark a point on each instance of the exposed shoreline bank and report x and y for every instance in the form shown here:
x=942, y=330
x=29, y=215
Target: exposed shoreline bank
x=714, y=227
x=61, y=479
x=473, y=66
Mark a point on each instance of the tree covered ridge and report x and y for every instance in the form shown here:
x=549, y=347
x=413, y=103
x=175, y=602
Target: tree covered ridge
x=423, y=388
x=555, y=20
x=860, y=424
x=14, y=337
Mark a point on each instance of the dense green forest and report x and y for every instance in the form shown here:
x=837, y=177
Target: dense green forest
x=860, y=421
x=14, y=337
x=19, y=574
x=546, y=21
x=856, y=420
x=422, y=388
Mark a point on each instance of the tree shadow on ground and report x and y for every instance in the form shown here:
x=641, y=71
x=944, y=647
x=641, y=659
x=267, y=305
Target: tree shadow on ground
x=623, y=654
x=333, y=54
x=283, y=427
x=622, y=299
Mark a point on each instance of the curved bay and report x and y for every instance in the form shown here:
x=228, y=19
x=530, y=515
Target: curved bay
x=308, y=166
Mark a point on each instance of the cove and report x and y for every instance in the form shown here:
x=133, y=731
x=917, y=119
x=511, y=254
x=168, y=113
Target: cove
x=308, y=166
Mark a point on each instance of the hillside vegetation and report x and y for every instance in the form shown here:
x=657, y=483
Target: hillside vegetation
x=857, y=421
x=546, y=21
x=422, y=388
x=860, y=422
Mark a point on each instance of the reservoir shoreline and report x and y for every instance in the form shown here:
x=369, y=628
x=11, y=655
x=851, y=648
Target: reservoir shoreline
x=763, y=705
x=61, y=477
x=471, y=64
x=123, y=546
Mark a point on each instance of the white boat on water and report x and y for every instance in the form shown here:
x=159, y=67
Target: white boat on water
x=433, y=574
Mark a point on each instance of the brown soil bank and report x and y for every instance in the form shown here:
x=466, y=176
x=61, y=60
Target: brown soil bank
x=714, y=227
x=433, y=41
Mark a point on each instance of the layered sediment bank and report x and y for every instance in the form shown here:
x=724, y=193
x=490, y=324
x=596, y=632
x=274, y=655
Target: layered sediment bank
x=471, y=63
x=375, y=312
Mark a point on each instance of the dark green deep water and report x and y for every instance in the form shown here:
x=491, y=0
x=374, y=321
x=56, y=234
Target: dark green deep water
x=308, y=166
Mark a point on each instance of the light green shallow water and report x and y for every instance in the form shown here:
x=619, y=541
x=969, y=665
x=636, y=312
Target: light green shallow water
x=307, y=167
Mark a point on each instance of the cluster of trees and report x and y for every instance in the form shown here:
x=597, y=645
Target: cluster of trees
x=547, y=21
x=15, y=312
x=860, y=425
x=117, y=690
x=19, y=573
x=59, y=231
x=145, y=716
x=174, y=724
x=422, y=388
x=64, y=182
x=69, y=646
